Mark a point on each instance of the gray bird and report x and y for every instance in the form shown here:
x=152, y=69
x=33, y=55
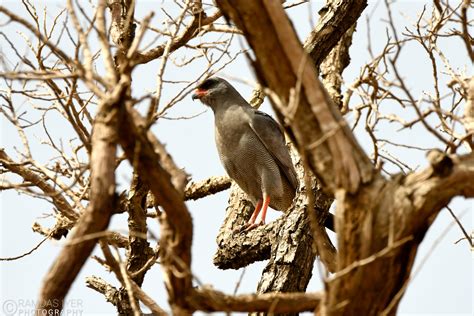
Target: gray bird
x=252, y=148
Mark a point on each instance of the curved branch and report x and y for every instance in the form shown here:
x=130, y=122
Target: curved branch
x=199, y=20
x=432, y=189
x=237, y=250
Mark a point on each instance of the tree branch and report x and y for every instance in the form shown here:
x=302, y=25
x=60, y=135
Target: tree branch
x=212, y=185
x=336, y=18
x=468, y=119
x=57, y=198
x=448, y=176
x=198, y=21
x=210, y=300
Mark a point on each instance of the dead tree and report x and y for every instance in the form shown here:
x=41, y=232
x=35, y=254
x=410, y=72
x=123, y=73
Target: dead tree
x=381, y=218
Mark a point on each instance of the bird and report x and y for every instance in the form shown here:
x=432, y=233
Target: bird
x=251, y=147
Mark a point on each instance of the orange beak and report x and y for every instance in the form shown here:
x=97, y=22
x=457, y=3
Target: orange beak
x=199, y=93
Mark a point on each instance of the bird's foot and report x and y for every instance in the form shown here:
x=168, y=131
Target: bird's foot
x=247, y=227
x=253, y=226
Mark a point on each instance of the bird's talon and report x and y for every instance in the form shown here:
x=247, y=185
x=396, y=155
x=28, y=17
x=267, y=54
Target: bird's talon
x=252, y=226
x=239, y=229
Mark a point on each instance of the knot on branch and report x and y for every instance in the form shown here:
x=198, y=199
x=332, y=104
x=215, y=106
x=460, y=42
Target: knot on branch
x=441, y=163
x=258, y=95
x=59, y=230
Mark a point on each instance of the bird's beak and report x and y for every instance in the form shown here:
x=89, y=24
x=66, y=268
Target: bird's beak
x=198, y=94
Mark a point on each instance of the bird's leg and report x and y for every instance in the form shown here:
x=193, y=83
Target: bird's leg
x=266, y=202
x=251, y=225
x=253, y=218
x=255, y=213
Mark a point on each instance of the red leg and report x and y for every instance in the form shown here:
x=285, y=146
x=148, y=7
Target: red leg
x=266, y=202
x=251, y=225
x=255, y=213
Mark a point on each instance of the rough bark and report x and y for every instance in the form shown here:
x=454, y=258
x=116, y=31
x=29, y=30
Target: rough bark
x=139, y=251
x=381, y=230
x=468, y=119
x=237, y=250
x=139, y=248
x=298, y=251
x=336, y=18
x=332, y=67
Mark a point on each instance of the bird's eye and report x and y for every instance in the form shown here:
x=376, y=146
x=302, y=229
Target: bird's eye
x=208, y=84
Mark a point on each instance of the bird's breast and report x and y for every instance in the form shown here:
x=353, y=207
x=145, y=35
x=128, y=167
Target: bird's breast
x=248, y=162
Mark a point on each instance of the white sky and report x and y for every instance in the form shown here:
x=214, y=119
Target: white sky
x=442, y=286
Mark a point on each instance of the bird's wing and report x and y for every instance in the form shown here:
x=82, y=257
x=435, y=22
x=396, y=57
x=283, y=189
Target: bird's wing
x=270, y=134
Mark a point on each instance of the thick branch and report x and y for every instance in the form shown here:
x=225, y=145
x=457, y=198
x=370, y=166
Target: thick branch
x=291, y=246
x=336, y=19
x=333, y=65
x=237, y=250
x=432, y=189
x=209, y=300
x=382, y=230
x=139, y=251
x=197, y=190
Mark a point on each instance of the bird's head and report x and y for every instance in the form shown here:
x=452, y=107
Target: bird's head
x=213, y=91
